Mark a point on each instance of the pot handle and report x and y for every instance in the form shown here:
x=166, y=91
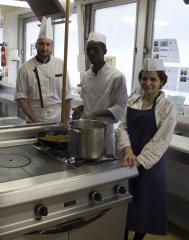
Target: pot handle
x=75, y=130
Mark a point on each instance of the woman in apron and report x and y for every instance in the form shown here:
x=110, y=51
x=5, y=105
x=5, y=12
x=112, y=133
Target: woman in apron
x=144, y=136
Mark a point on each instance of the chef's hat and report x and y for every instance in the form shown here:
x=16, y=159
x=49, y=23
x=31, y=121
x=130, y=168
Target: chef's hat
x=153, y=65
x=97, y=37
x=46, y=30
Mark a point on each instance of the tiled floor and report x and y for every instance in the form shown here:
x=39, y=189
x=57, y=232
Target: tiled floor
x=174, y=233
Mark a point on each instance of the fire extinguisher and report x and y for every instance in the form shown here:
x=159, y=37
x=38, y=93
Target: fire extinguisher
x=3, y=55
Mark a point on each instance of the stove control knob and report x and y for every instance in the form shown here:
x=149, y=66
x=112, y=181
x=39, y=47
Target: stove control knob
x=119, y=189
x=41, y=210
x=96, y=196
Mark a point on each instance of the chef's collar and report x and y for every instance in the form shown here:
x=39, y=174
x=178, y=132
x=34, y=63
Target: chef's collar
x=93, y=69
x=41, y=61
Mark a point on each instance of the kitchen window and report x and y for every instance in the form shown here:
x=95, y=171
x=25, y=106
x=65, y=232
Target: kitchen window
x=171, y=43
x=118, y=24
x=32, y=31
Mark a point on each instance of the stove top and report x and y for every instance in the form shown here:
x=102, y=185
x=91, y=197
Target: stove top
x=34, y=160
x=64, y=156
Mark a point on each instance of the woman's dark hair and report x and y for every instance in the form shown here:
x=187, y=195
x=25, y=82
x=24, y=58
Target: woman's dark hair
x=161, y=74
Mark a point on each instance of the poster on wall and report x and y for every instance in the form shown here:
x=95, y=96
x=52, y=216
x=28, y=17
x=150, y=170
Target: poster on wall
x=166, y=49
x=183, y=83
x=173, y=75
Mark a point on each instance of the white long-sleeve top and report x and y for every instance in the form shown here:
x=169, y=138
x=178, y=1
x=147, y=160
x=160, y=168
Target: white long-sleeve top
x=50, y=75
x=165, y=115
x=105, y=90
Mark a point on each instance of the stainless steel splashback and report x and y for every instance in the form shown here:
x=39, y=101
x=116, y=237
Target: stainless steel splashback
x=14, y=134
x=51, y=8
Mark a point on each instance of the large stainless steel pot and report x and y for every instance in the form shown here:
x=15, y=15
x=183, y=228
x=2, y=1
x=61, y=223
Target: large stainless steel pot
x=86, y=138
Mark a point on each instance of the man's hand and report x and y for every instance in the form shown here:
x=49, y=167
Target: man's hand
x=35, y=119
x=129, y=159
x=92, y=116
x=100, y=114
x=77, y=112
x=24, y=104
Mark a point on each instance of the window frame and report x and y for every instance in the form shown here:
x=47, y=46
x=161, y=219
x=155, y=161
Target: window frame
x=150, y=30
x=143, y=8
x=23, y=20
x=143, y=36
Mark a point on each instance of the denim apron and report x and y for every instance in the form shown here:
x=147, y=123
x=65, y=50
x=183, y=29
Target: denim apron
x=147, y=213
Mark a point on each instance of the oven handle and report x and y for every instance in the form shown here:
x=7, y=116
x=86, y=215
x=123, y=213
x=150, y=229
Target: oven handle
x=70, y=225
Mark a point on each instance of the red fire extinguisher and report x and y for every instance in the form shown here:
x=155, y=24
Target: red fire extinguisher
x=3, y=55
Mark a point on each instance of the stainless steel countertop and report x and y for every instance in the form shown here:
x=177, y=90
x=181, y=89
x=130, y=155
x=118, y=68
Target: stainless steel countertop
x=180, y=143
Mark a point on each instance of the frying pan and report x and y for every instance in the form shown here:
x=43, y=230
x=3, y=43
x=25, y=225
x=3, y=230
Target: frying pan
x=49, y=138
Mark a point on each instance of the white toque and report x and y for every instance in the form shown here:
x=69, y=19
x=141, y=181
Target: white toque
x=97, y=37
x=46, y=30
x=153, y=65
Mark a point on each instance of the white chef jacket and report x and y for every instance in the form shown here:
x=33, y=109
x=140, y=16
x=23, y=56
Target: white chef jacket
x=165, y=115
x=105, y=90
x=50, y=75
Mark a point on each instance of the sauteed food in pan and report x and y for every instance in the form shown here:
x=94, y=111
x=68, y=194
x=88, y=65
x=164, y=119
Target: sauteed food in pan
x=54, y=139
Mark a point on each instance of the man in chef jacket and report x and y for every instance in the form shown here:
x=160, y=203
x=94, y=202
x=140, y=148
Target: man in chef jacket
x=103, y=89
x=39, y=82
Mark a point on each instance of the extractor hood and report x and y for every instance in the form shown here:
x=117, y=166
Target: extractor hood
x=48, y=8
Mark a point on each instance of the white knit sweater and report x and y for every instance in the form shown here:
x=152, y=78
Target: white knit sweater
x=165, y=120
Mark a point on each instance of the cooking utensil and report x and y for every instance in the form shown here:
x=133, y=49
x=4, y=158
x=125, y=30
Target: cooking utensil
x=86, y=139
x=55, y=139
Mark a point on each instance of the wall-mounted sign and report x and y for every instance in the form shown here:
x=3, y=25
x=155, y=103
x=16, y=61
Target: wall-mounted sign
x=173, y=74
x=166, y=49
x=183, y=83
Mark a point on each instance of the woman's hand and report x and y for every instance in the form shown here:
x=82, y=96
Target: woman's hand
x=129, y=159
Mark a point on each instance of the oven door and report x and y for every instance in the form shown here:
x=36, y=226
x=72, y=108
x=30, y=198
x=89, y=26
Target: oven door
x=101, y=225
x=58, y=236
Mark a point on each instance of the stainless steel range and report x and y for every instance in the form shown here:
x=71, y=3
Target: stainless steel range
x=46, y=194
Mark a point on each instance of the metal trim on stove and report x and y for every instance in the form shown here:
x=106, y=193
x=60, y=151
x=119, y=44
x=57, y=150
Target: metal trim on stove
x=70, y=225
x=28, y=226
x=34, y=189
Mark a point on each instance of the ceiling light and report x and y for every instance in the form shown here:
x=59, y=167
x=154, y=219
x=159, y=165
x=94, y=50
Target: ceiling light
x=14, y=3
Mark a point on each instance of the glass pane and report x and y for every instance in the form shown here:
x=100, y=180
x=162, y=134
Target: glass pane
x=73, y=49
x=32, y=32
x=118, y=24
x=171, y=43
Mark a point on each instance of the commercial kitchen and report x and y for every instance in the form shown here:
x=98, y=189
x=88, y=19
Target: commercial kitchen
x=44, y=192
